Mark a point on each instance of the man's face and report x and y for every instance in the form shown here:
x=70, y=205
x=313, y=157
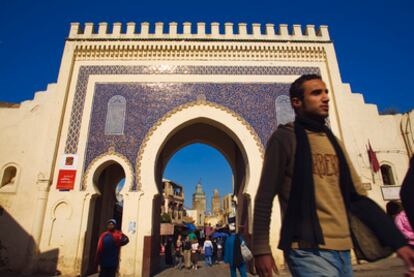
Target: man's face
x=315, y=100
x=110, y=226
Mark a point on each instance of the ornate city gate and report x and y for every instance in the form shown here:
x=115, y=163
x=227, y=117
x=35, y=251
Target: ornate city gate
x=134, y=99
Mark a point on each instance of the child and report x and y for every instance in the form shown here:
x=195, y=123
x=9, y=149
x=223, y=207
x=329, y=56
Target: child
x=208, y=251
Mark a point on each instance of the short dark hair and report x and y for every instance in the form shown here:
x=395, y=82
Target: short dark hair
x=393, y=208
x=296, y=88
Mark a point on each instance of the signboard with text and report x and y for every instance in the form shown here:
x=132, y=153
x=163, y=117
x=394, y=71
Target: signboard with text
x=390, y=192
x=66, y=179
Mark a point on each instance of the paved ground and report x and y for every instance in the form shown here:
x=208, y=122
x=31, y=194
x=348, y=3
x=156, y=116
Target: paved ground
x=391, y=267
x=388, y=267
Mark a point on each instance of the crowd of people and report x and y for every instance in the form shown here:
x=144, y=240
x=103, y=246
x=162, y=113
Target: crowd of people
x=214, y=246
x=188, y=248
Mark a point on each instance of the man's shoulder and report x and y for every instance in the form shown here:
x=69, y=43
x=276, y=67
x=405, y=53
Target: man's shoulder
x=284, y=132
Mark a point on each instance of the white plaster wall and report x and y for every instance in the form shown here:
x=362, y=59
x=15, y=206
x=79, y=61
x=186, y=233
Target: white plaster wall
x=361, y=124
x=407, y=128
x=27, y=139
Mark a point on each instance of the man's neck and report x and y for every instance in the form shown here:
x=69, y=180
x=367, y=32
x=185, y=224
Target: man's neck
x=316, y=118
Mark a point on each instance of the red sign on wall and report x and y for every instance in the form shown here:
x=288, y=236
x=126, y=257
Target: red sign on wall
x=66, y=179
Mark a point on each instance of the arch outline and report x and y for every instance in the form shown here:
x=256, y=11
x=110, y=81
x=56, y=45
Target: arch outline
x=170, y=122
x=111, y=156
x=393, y=171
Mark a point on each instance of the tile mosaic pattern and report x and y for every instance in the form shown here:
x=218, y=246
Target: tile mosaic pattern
x=148, y=102
x=72, y=140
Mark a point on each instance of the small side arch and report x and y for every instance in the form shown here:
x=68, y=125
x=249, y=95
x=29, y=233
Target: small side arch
x=60, y=218
x=94, y=170
x=101, y=180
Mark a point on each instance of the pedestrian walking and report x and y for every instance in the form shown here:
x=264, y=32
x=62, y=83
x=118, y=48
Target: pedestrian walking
x=393, y=208
x=233, y=255
x=318, y=191
x=109, y=245
x=208, y=251
x=401, y=220
x=214, y=257
x=169, y=251
x=179, y=253
x=202, y=236
x=192, y=236
x=187, y=252
x=220, y=252
x=194, y=254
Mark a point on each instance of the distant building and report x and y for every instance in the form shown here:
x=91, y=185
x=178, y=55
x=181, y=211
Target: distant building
x=227, y=207
x=214, y=220
x=199, y=204
x=173, y=202
x=192, y=215
x=216, y=216
x=215, y=203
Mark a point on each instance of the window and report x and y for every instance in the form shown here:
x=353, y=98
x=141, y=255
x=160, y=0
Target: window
x=387, y=175
x=9, y=176
x=284, y=110
x=115, y=116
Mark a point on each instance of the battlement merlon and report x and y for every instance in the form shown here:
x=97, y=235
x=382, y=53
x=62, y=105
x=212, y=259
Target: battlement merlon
x=282, y=33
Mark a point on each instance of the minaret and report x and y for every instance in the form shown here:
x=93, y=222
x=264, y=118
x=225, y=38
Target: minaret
x=216, y=203
x=199, y=203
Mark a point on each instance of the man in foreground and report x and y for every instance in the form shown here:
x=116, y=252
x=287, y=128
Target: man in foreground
x=305, y=165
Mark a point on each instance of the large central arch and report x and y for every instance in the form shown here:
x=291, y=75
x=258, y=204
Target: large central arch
x=208, y=123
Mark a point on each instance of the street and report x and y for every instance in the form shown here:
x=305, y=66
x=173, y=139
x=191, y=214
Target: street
x=385, y=268
x=388, y=267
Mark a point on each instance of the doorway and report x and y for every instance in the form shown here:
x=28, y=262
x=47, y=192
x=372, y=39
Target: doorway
x=107, y=204
x=221, y=139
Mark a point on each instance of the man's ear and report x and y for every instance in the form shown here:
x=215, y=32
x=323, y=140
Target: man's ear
x=296, y=103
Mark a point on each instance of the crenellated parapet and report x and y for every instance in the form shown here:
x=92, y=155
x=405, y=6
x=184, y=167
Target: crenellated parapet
x=186, y=30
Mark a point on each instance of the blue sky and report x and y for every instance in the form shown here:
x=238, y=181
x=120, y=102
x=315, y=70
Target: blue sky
x=197, y=161
x=373, y=39
x=373, y=42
